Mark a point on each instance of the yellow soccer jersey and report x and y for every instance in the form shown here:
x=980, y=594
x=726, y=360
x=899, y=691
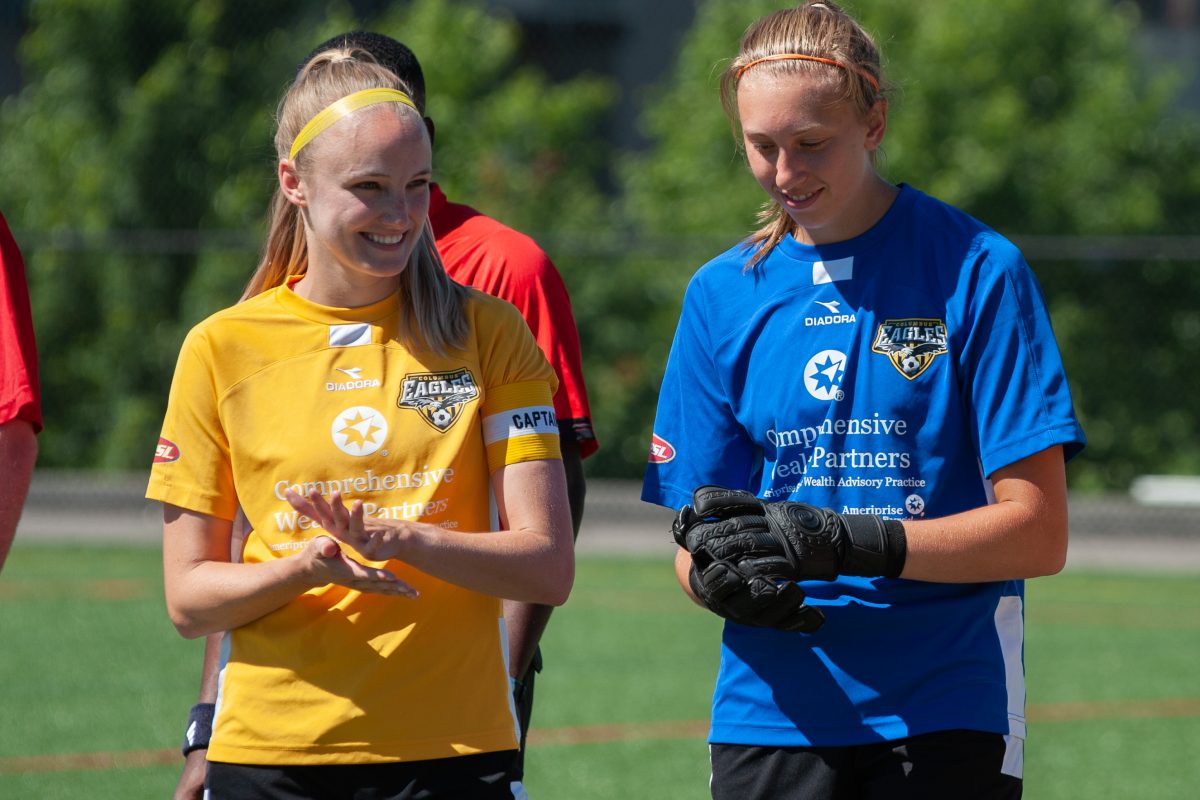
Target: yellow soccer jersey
x=279, y=392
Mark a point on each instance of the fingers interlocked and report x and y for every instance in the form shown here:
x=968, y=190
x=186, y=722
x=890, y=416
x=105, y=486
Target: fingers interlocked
x=345, y=524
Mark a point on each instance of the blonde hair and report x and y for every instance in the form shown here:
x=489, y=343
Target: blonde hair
x=812, y=38
x=434, y=305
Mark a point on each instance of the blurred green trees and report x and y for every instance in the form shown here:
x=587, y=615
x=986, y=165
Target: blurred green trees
x=139, y=155
x=138, y=159
x=137, y=118
x=1036, y=117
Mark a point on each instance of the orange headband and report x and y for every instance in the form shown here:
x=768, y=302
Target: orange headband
x=868, y=77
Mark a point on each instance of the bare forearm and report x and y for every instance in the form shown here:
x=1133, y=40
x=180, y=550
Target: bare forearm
x=683, y=565
x=210, y=597
x=526, y=622
x=191, y=780
x=1001, y=541
x=517, y=565
x=576, y=484
x=18, y=452
x=210, y=669
x=1022, y=535
x=207, y=594
x=532, y=559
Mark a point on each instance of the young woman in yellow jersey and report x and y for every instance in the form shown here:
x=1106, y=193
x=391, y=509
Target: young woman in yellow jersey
x=391, y=439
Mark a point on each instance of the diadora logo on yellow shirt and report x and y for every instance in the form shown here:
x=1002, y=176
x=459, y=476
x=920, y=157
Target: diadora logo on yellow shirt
x=351, y=378
x=439, y=397
x=359, y=431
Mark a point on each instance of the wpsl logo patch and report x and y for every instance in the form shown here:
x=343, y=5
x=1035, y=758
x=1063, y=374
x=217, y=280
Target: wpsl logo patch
x=439, y=397
x=911, y=344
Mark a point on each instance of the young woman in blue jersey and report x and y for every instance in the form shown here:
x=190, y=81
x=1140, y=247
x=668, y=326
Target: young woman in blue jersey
x=873, y=351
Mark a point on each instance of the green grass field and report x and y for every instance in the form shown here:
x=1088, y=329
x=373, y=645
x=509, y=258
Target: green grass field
x=95, y=683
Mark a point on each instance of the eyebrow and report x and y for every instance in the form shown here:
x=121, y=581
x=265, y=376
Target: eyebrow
x=806, y=130
x=373, y=172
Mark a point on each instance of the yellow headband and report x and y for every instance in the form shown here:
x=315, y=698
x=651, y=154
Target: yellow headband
x=868, y=77
x=344, y=107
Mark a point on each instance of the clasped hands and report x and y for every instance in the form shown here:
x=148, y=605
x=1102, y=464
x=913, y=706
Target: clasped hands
x=373, y=539
x=747, y=555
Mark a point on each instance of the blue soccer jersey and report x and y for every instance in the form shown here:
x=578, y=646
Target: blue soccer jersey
x=889, y=374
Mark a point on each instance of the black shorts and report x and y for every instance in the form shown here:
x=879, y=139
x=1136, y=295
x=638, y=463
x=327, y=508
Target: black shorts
x=476, y=777
x=948, y=765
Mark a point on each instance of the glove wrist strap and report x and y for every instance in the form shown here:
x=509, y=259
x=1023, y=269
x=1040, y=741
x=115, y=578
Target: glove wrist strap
x=878, y=546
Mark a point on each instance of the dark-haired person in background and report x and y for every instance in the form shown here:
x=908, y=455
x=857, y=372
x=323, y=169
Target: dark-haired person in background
x=481, y=252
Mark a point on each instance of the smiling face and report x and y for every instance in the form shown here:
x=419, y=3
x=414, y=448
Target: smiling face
x=811, y=151
x=363, y=192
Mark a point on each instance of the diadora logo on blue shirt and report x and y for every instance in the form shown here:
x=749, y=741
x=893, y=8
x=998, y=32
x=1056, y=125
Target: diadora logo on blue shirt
x=836, y=314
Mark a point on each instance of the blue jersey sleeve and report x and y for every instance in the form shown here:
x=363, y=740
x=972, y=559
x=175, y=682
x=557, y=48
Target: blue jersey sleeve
x=697, y=439
x=1018, y=399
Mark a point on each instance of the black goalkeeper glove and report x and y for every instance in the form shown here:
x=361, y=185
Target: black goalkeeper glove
x=739, y=594
x=786, y=540
x=746, y=585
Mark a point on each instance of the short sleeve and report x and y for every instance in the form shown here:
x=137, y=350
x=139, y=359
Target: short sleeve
x=20, y=396
x=191, y=467
x=1017, y=393
x=542, y=299
x=519, y=420
x=697, y=438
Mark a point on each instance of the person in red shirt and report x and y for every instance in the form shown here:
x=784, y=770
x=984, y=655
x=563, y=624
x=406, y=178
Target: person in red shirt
x=20, y=400
x=482, y=252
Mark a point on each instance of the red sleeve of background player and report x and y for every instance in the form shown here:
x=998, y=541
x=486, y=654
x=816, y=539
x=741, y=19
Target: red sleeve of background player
x=547, y=309
x=482, y=252
x=19, y=393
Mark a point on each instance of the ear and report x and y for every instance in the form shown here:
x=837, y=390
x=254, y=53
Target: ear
x=876, y=124
x=289, y=183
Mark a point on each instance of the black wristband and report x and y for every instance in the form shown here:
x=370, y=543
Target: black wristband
x=199, y=728
x=878, y=546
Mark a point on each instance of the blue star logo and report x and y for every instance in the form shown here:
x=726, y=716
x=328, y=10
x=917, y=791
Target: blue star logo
x=829, y=373
x=824, y=373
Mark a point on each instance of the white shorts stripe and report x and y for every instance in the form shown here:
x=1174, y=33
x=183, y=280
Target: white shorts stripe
x=1014, y=757
x=1010, y=629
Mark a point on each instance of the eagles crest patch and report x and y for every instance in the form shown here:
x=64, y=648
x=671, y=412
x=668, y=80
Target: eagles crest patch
x=439, y=397
x=911, y=344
